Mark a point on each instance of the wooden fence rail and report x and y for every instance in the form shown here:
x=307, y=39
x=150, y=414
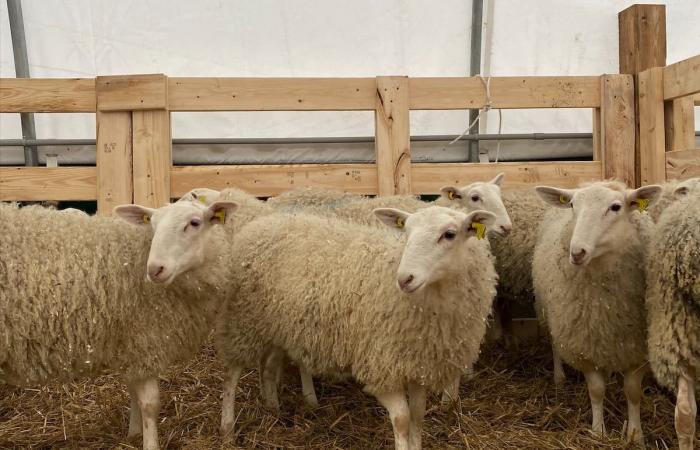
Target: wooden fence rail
x=134, y=162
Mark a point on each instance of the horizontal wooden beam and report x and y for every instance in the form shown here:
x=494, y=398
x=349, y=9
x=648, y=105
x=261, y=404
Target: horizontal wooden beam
x=506, y=92
x=132, y=92
x=682, y=78
x=264, y=180
x=682, y=164
x=271, y=94
x=428, y=178
x=48, y=183
x=47, y=95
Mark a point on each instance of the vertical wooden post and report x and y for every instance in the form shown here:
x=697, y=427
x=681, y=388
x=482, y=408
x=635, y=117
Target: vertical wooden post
x=650, y=94
x=596, y=135
x=680, y=124
x=393, y=136
x=642, y=45
x=137, y=108
x=617, y=134
x=114, y=152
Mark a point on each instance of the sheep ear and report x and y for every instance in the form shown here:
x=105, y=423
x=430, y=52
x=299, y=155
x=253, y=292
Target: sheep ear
x=561, y=198
x=477, y=222
x=205, y=196
x=643, y=197
x=220, y=212
x=394, y=218
x=498, y=179
x=451, y=193
x=135, y=214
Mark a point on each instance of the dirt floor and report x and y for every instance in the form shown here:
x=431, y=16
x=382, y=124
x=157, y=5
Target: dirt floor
x=510, y=404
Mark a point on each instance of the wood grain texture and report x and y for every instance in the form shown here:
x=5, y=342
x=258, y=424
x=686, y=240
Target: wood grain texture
x=428, y=178
x=266, y=180
x=48, y=183
x=152, y=157
x=271, y=94
x=650, y=97
x=680, y=124
x=682, y=78
x=618, y=128
x=47, y=95
x=132, y=92
x=114, y=160
x=506, y=92
x=642, y=38
x=682, y=164
x=393, y=136
x=596, y=134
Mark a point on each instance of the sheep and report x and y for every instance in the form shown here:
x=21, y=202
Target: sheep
x=303, y=198
x=74, y=303
x=669, y=195
x=589, y=286
x=322, y=290
x=673, y=305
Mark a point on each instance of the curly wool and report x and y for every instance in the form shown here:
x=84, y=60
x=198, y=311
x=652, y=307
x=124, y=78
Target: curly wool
x=74, y=300
x=249, y=208
x=301, y=199
x=324, y=291
x=673, y=295
x=668, y=197
x=595, y=313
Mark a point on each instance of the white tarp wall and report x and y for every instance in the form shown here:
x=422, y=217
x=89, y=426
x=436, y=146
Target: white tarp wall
x=85, y=38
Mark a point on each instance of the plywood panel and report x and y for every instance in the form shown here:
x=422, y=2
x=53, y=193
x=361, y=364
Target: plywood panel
x=48, y=183
x=393, y=136
x=506, y=92
x=114, y=164
x=265, y=180
x=429, y=178
x=683, y=164
x=271, y=94
x=618, y=128
x=152, y=157
x=47, y=95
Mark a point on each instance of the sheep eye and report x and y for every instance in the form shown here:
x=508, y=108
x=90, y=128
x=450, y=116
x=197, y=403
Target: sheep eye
x=616, y=207
x=475, y=198
x=449, y=235
x=195, y=222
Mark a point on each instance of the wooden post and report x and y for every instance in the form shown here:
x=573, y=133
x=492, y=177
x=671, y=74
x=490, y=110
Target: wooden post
x=596, y=134
x=114, y=180
x=143, y=98
x=680, y=124
x=393, y=136
x=617, y=134
x=650, y=94
x=642, y=45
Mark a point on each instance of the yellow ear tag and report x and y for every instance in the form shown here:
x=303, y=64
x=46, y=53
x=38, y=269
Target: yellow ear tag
x=642, y=204
x=146, y=218
x=563, y=199
x=221, y=215
x=202, y=199
x=399, y=222
x=451, y=195
x=480, y=229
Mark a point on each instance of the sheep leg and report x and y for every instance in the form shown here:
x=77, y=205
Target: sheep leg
x=559, y=376
x=399, y=413
x=135, y=420
x=596, y=391
x=271, y=371
x=686, y=411
x=228, y=402
x=633, y=392
x=307, y=387
x=416, y=406
x=148, y=398
x=450, y=395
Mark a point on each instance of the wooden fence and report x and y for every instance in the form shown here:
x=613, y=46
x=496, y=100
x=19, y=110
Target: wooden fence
x=134, y=162
x=667, y=97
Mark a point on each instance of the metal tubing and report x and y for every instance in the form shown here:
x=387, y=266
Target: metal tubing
x=310, y=140
x=19, y=49
x=475, y=69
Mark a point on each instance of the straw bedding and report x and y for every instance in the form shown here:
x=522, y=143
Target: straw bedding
x=510, y=404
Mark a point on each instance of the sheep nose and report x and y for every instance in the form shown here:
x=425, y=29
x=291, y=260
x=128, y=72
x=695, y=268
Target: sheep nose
x=505, y=229
x=577, y=257
x=155, y=271
x=405, y=282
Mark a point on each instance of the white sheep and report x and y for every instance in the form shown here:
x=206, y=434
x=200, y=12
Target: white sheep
x=673, y=305
x=589, y=285
x=75, y=303
x=325, y=292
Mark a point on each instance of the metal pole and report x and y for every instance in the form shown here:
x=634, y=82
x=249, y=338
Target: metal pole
x=19, y=49
x=475, y=69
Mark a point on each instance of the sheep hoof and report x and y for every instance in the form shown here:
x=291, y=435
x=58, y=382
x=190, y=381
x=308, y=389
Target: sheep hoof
x=635, y=436
x=559, y=379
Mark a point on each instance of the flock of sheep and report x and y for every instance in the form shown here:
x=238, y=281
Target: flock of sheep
x=392, y=292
